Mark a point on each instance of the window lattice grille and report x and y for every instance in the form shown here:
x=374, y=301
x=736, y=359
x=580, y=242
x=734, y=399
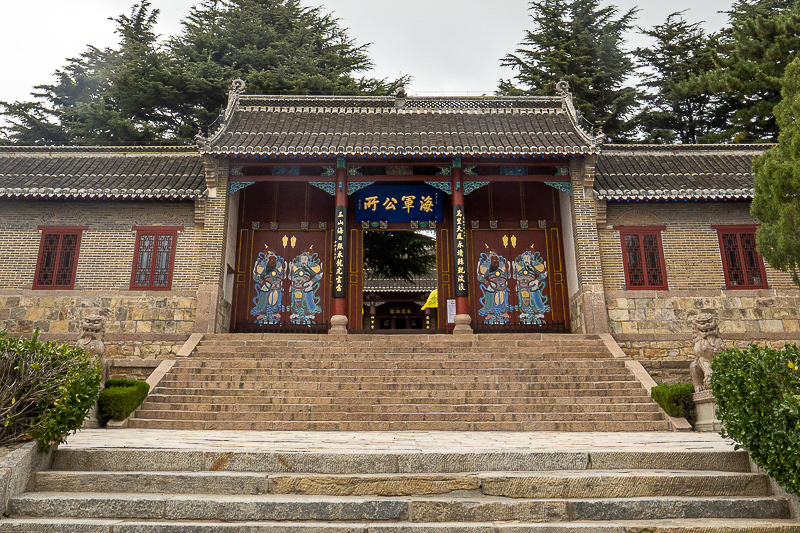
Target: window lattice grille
x=644, y=260
x=154, y=261
x=58, y=254
x=743, y=266
x=635, y=267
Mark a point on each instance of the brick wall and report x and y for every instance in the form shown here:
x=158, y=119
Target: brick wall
x=103, y=272
x=656, y=325
x=588, y=314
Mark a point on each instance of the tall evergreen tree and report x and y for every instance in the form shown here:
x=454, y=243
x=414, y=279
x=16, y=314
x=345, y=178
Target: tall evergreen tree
x=763, y=38
x=678, y=105
x=146, y=92
x=399, y=254
x=112, y=96
x=582, y=43
x=777, y=183
x=276, y=46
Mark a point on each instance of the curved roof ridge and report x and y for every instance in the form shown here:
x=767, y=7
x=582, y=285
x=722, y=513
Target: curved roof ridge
x=98, y=150
x=685, y=149
x=427, y=125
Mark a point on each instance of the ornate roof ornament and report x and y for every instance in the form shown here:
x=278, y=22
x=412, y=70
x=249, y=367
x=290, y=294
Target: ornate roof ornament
x=400, y=97
x=237, y=86
x=562, y=89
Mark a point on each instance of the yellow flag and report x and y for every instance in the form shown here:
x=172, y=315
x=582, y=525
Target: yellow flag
x=433, y=300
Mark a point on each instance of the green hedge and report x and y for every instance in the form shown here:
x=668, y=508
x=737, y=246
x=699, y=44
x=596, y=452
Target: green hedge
x=120, y=398
x=47, y=389
x=758, y=403
x=676, y=400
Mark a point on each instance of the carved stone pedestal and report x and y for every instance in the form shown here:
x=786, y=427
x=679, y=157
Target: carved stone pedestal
x=462, y=325
x=706, y=406
x=338, y=325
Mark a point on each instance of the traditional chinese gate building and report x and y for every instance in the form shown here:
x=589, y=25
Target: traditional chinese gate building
x=499, y=181
x=539, y=227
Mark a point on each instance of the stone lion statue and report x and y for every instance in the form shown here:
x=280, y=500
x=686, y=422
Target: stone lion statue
x=91, y=339
x=707, y=344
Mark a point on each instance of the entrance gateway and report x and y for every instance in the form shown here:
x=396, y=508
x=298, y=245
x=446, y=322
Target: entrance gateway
x=490, y=178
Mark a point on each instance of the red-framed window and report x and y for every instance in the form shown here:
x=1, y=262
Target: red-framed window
x=155, y=257
x=741, y=263
x=643, y=257
x=58, y=257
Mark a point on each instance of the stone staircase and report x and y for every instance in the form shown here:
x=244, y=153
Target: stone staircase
x=118, y=490
x=400, y=382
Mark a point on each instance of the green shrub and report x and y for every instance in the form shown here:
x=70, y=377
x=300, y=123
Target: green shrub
x=676, y=400
x=47, y=389
x=120, y=398
x=758, y=403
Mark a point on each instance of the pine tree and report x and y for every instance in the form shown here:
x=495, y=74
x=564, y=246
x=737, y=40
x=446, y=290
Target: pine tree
x=678, y=105
x=276, y=46
x=581, y=43
x=763, y=38
x=398, y=254
x=144, y=92
x=103, y=96
x=777, y=184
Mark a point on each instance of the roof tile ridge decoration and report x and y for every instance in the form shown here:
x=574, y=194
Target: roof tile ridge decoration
x=97, y=151
x=205, y=143
x=592, y=141
x=685, y=149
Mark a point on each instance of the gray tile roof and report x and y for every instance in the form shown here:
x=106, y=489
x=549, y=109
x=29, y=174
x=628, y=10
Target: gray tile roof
x=100, y=172
x=674, y=172
x=399, y=285
x=313, y=125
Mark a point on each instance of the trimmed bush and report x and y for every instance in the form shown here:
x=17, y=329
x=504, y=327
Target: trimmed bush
x=47, y=389
x=120, y=398
x=676, y=400
x=758, y=403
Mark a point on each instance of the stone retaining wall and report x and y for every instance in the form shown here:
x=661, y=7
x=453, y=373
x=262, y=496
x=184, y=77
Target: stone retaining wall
x=61, y=312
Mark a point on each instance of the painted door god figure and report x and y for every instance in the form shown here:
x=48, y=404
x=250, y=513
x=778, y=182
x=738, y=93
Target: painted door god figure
x=493, y=274
x=305, y=274
x=269, y=272
x=530, y=272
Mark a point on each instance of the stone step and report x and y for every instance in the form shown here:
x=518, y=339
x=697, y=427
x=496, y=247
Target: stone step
x=98, y=525
x=414, y=509
x=454, y=365
x=397, y=375
x=357, y=416
x=393, y=384
x=384, y=425
x=435, y=397
x=405, y=407
x=558, y=484
x=464, y=393
x=386, y=461
x=375, y=355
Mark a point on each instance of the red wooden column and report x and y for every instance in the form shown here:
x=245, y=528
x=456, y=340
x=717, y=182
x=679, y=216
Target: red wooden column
x=462, y=319
x=339, y=285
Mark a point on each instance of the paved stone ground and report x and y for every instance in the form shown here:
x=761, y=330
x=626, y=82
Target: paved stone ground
x=401, y=441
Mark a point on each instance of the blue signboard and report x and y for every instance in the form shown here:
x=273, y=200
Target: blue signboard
x=399, y=203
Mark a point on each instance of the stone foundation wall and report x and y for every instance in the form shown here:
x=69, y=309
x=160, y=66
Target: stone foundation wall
x=654, y=327
x=126, y=369
x=765, y=314
x=61, y=312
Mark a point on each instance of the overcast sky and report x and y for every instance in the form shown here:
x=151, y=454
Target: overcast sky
x=448, y=46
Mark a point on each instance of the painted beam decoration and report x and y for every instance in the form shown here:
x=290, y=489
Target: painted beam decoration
x=402, y=203
x=460, y=250
x=339, y=249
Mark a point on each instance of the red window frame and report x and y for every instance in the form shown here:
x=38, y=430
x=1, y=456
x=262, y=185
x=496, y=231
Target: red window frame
x=154, y=257
x=57, y=261
x=643, y=260
x=742, y=265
